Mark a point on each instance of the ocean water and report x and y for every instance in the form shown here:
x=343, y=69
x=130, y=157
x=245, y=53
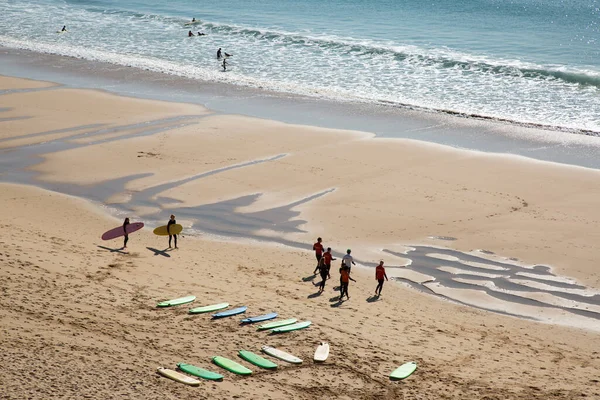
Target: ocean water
x=525, y=61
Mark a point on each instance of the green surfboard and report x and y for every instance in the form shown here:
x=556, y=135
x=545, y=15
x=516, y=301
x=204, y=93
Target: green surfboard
x=205, y=309
x=404, y=371
x=199, y=372
x=257, y=360
x=294, y=327
x=231, y=366
x=277, y=324
x=176, y=302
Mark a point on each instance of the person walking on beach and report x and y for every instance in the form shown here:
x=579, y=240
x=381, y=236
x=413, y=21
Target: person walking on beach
x=345, y=279
x=327, y=258
x=125, y=223
x=348, y=261
x=219, y=55
x=379, y=275
x=318, y=248
x=169, y=224
x=324, y=271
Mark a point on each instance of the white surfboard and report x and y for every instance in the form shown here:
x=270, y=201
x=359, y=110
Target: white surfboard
x=282, y=355
x=322, y=352
x=178, y=376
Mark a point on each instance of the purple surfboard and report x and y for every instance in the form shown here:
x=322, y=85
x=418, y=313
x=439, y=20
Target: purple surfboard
x=118, y=231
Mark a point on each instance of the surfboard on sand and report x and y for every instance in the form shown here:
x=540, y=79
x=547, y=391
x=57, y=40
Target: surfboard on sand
x=176, y=302
x=231, y=366
x=277, y=324
x=162, y=230
x=118, y=231
x=205, y=309
x=403, y=371
x=199, y=372
x=260, y=318
x=178, y=376
x=257, y=360
x=293, y=327
x=322, y=352
x=229, y=313
x=282, y=355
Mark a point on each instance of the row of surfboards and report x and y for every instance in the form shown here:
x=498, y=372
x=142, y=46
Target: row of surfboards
x=287, y=325
x=321, y=355
x=281, y=326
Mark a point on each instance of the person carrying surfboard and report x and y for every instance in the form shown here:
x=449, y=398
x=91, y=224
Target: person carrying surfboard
x=345, y=279
x=379, y=275
x=318, y=248
x=125, y=223
x=171, y=222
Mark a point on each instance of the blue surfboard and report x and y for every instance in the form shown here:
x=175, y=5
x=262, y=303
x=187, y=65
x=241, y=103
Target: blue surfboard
x=229, y=313
x=265, y=317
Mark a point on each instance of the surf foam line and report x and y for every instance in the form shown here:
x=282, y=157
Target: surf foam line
x=210, y=75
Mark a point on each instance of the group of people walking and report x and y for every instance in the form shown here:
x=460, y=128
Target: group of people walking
x=324, y=259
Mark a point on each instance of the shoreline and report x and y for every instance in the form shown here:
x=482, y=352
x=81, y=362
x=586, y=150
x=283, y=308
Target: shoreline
x=235, y=202
x=385, y=122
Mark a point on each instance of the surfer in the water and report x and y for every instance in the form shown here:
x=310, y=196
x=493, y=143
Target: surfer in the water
x=318, y=248
x=379, y=275
x=125, y=223
x=171, y=222
x=201, y=34
x=219, y=55
x=64, y=28
x=224, y=65
x=193, y=19
x=190, y=34
x=228, y=55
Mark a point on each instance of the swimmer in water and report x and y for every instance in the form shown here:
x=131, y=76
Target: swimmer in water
x=190, y=34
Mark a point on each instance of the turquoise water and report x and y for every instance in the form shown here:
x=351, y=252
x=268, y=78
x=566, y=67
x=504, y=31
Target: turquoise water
x=525, y=61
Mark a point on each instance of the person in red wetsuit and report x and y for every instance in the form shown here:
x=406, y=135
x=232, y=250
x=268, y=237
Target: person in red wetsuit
x=318, y=248
x=379, y=275
x=328, y=257
x=345, y=278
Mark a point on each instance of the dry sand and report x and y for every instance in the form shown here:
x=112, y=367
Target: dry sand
x=79, y=321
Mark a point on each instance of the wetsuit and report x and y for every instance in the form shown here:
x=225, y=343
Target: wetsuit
x=171, y=222
x=344, y=280
x=379, y=275
x=324, y=269
x=318, y=248
x=125, y=232
x=219, y=53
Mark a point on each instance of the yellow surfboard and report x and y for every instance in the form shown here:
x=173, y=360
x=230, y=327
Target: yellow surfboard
x=162, y=230
x=178, y=376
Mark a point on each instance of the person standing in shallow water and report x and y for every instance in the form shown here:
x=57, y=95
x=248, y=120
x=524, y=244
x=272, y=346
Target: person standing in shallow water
x=318, y=248
x=171, y=222
x=379, y=275
x=125, y=223
x=219, y=55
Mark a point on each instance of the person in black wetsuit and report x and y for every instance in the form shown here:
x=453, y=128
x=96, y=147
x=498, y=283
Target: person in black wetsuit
x=125, y=223
x=324, y=271
x=171, y=222
x=64, y=29
x=219, y=55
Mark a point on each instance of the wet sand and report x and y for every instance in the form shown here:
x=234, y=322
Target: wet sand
x=253, y=195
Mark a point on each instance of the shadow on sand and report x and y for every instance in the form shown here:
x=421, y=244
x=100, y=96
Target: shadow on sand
x=309, y=278
x=159, y=252
x=373, y=299
x=312, y=296
x=119, y=250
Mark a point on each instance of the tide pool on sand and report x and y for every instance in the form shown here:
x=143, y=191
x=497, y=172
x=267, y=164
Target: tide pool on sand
x=176, y=302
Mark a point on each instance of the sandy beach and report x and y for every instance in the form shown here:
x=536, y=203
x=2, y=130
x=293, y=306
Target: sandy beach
x=80, y=318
